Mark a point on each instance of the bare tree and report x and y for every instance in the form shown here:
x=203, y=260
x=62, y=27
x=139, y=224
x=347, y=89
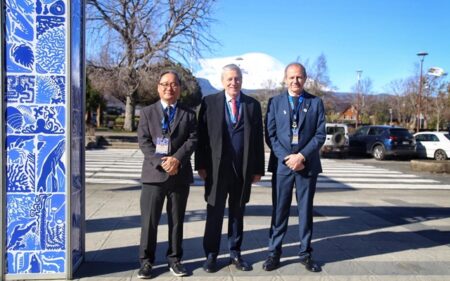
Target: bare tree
x=362, y=88
x=318, y=80
x=142, y=32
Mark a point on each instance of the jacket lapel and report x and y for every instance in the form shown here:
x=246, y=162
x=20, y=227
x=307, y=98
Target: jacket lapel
x=247, y=110
x=304, y=109
x=178, y=116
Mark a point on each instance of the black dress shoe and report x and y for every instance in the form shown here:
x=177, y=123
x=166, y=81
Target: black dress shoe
x=310, y=265
x=145, y=272
x=178, y=269
x=271, y=263
x=240, y=264
x=210, y=265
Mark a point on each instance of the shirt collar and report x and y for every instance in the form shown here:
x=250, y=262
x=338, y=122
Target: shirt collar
x=228, y=97
x=165, y=104
x=293, y=95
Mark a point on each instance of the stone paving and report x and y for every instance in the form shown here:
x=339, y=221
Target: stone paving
x=358, y=235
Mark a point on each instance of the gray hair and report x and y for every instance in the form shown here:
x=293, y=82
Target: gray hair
x=170, y=71
x=298, y=65
x=232, y=67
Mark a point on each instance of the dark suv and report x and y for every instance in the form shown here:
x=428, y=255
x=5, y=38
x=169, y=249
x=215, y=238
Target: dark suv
x=382, y=141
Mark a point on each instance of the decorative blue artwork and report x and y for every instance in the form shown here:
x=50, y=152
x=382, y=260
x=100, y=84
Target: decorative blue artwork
x=36, y=145
x=21, y=164
x=51, y=169
x=20, y=89
x=36, y=223
x=23, y=119
x=50, y=89
x=19, y=36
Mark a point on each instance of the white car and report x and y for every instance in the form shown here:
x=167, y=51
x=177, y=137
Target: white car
x=336, y=140
x=433, y=145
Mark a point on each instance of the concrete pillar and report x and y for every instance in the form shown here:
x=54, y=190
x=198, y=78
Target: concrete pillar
x=42, y=178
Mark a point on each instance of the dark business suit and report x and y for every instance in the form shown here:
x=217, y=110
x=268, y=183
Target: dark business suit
x=158, y=185
x=311, y=138
x=231, y=156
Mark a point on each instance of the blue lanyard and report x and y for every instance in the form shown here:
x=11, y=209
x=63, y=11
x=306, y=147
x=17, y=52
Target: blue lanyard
x=232, y=117
x=167, y=119
x=296, y=109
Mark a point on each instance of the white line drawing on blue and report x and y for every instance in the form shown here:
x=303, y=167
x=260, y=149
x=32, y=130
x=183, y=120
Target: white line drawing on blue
x=20, y=88
x=21, y=164
x=24, y=119
x=19, y=35
x=50, y=46
x=50, y=89
x=51, y=169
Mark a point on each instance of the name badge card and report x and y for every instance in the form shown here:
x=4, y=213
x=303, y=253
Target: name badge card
x=294, y=134
x=162, y=146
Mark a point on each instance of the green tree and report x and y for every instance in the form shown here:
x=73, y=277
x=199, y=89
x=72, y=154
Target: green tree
x=94, y=103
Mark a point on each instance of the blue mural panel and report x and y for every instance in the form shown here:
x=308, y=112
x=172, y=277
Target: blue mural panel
x=51, y=169
x=35, y=62
x=21, y=164
x=20, y=88
x=51, y=89
x=44, y=119
x=51, y=45
x=19, y=36
x=36, y=222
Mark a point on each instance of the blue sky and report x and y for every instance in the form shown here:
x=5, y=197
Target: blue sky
x=379, y=37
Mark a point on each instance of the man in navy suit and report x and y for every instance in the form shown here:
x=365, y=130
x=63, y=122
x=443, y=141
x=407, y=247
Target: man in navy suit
x=229, y=158
x=296, y=131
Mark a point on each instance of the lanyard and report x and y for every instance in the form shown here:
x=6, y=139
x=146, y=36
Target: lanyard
x=232, y=117
x=167, y=119
x=295, y=110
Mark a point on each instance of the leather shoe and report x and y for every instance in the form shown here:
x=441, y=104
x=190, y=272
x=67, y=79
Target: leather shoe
x=310, y=265
x=240, y=264
x=271, y=263
x=210, y=265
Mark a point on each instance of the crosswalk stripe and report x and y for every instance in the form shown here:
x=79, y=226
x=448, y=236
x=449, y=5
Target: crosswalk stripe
x=123, y=166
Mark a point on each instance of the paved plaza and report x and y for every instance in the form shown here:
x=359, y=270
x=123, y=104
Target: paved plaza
x=359, y=234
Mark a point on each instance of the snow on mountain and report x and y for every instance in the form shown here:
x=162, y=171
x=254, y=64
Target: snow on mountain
x=260, y=71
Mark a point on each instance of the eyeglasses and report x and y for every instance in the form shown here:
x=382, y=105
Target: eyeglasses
x=172, y=85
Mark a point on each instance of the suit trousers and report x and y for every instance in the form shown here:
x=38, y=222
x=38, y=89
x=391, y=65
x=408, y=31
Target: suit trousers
x=152, y=201
x=305, y=188
x=229, y=187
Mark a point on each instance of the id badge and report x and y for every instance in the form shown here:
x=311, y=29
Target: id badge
x=294, y=136
x=162, y=146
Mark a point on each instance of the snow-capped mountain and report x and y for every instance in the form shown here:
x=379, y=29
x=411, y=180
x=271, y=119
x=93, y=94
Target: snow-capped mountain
x=260, y=71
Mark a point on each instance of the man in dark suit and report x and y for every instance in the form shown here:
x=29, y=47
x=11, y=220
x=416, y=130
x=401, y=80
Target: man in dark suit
x=167, y=136
x=230, y=157
x=296, y=130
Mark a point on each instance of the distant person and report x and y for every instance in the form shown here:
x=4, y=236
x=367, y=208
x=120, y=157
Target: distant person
x=229, y=158
x=167, y=136
x=296, y=130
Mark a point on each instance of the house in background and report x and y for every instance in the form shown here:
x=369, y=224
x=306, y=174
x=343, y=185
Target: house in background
x=349, y=115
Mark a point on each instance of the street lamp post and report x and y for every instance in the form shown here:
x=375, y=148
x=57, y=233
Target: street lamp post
x=419, y=95
x=359, y=102
x=390, y=116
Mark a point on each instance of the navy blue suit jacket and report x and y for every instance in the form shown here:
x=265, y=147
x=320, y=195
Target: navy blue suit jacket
x=311, y=136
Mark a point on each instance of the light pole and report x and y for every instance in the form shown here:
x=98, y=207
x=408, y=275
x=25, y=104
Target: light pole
x=419, y=95
x=358, y=103
x=390, y=116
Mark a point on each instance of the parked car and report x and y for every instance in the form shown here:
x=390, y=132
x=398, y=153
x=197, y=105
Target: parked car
x=337, y=140
x=433, y=145
x=382, y=141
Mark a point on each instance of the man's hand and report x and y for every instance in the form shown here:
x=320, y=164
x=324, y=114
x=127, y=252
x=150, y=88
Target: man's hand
x=170, y=165
x=202, y=173
x=256, y=178
x=295, y=162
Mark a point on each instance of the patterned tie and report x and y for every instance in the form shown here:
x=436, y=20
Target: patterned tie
x=234, y=109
